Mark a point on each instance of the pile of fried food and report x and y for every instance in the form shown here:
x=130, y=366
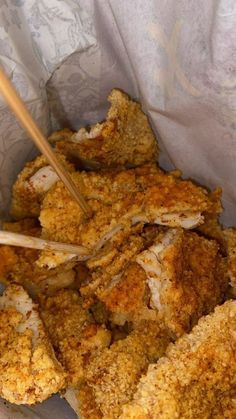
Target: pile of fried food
x=145, y=327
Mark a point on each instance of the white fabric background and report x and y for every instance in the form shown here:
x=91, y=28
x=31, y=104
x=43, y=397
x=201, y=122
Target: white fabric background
x=177, y=57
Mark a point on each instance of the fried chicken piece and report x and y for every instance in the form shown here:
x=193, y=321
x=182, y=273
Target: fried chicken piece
x=119, y=200
x=124, y=139
x=179, y=275
x=186, y=276
x=197, y=376
x=73, y=333
x=113, y=374
x=31, y=185
x=30, y=372
x=230, y=243
x=18, y=264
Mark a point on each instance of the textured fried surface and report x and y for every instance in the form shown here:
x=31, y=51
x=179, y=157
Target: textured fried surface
x=190, y=278
x=181, y=277
x=30, y=372
x=83, y=403
x=18, y=264
x=26, y=200
x=211, y=227
x=124, y=139
x=113, y=373
x=196, y=378
x=230, y=241
x=145, y=193
x=72, y=332
x=115, y=273
x=62, y=134
x=8, y=259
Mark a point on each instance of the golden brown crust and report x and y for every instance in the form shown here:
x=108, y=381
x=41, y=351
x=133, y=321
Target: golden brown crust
x=211, y=227
x=196, y=282
x=87, y=405
x=72, y=332
x=30, y=372
x=124, y=139
x=118, y=198
x=8, y=259
x=113, y=373
x=128, y=294
x=26, y=200
x=196, y=378
x=230, y=244
x=62, y=134
x=181, y=277
x=18, y=264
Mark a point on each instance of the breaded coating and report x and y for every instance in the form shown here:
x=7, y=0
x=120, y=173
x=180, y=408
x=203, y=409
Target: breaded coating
x=211, y=227
x=72, y=331
x=186, y=277
x=124, y=139
x=8, y=259
x=30, y=372
x=82, y=401
x=179, y=276
x=18, y=264
x=113, y=374
x=114, y=273
x=121, y=198
x=230, y=243
x=62, y=134
x=197, y=376
x=31, y=185
x=28, y=226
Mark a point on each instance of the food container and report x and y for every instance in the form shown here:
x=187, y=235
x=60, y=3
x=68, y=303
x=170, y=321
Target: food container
x=177, y=58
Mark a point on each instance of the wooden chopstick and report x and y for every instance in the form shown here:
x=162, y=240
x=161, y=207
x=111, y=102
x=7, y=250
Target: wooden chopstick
x=26, y=120
x=21, y=240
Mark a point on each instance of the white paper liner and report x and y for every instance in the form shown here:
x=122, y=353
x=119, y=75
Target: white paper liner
x=177, y=57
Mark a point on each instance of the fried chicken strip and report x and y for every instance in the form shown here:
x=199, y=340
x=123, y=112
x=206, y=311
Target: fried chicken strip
x=124, y=139
x=30, y=372
x=32, y=183
x=197, y=376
